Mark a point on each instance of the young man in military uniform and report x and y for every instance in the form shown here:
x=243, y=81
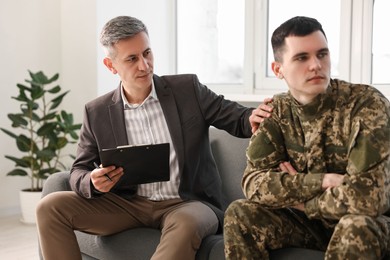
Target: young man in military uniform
x=318, y=172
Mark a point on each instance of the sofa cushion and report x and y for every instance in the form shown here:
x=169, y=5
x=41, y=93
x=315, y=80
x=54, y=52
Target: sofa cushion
x=143, y=243
x=142, y=246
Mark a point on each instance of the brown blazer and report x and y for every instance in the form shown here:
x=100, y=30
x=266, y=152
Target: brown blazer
x=189, y=109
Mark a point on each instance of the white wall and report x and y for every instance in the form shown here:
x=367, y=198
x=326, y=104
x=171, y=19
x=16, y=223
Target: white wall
x=30, y=39
x=62, y=36
x=43, y=35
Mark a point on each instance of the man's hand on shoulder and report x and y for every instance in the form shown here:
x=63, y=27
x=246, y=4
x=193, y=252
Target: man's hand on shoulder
x=260, y=113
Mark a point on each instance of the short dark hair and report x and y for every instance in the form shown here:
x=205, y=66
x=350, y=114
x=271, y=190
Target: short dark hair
x=118, y=28
x=296, y=26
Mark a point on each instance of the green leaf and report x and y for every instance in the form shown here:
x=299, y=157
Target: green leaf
x=55, y=90
x=30, y=105
x=17, y=172
x=28, y=113
x=62, y=142
x=22, y=95
x=49, y=116
x=17, y=120
x=23, y=88
x=54, y=78
x=46, y=154
x=41, y=79
x=75, y=127
x=45, y=173
x=25, y=144
x=74, y=135
x=9, y=133
x=37, y=92
x=46, y=129
x=24, y=162
x=35, y=117
x=38, y=78
x=68, y=118
x=57, y=101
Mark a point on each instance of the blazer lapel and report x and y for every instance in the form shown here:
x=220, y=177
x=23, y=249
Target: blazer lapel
x=117, y=119
x=168, y=105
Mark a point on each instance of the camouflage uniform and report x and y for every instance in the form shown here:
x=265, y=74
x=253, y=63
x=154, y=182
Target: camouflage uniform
x=345, y=130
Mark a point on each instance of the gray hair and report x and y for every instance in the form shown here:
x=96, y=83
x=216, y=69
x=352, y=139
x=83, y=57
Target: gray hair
x=118, y=28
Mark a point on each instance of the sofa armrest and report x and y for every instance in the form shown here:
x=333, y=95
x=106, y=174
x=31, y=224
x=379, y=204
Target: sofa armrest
x=58, y=181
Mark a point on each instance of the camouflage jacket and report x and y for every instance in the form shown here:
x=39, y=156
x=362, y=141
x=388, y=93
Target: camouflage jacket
x=345, y=130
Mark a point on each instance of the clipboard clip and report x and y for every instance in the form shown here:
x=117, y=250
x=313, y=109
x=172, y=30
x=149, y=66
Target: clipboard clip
x=130, y=145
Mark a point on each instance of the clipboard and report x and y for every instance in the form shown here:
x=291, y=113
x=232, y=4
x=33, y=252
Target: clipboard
x=141, y=163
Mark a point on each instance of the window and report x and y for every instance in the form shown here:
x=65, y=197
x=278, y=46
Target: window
x=211, y=39
x=227, y=42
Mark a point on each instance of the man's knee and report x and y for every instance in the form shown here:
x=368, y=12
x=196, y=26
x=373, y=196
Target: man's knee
x=52, y=206
x=235, y=208
x=242, y=208
x=245, y=218
x=46, y=204
x=193, y=219
x=358, y=235
x=358, y=227
x=246, y=211
x=236, y=216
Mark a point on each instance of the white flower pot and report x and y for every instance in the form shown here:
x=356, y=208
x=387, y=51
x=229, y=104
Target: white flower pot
x=28, y=204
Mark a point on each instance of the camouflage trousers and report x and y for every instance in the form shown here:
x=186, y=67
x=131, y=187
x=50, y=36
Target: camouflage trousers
x=250, y=230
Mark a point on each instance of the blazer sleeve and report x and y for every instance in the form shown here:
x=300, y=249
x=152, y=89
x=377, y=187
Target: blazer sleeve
x=87, y=153
x=222, y=113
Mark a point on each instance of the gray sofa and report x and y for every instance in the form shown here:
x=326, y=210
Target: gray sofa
x=140, y=243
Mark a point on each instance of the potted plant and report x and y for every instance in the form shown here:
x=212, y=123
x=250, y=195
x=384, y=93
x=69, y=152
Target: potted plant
x=40, y=131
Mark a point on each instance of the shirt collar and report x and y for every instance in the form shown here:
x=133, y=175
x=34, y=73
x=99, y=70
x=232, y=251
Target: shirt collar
x=152, y=95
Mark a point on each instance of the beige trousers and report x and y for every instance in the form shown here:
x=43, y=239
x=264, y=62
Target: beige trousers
x=183, y=224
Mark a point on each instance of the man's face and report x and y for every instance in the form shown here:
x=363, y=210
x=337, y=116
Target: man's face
x=133, y=62
x=305, y=66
